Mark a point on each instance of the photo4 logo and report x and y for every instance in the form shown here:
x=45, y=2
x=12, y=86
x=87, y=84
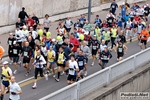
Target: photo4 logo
x=135, y=95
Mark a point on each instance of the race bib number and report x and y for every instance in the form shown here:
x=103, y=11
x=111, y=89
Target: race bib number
x=80, y=63
x=110, y=21
x=81, y=22
x=146, y=11
x=46, y=24
x=120, y=49
x=25, y=53
x=94, y=47
x=113, y=6
x=10, y=42
x=14, y=51
x=105, y=57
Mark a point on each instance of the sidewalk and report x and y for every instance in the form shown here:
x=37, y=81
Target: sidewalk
x=102, y=14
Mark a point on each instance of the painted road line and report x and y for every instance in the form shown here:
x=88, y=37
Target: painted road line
x=31, y=79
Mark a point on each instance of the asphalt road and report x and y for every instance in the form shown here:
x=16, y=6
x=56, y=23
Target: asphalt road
x=46, y=87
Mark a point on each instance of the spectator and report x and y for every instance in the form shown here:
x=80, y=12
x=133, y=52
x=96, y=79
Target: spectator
x=22, y=15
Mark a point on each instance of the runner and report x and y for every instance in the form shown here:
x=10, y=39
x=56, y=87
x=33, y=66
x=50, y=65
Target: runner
x=97, y=30
x=10, y=41
x=19, y=35
x=95, y=45
x=129, y=29
x=68, y=24
x=73, y=69
x=121, y=37
x=26, y=54
x=86, y=52
x=46, y=22
x=120, y=22
x=15, y=90
x=25, y=33
x=68, y=52
x=60, y=58
x=36, y=21
x=82, y=20
x=110, y=20
x=76, y=34
x=51, y=55
x=105, y=56
x=53, y=44
x=98, y=21
x=34, y=34
x=6, y=76
x=44, y=50
x=88, y=27
x=143, y=37
x=19, y=24
x=16, y=52
x=38, y=67
x=121, y=50
x=123, y=10
x=113, y=34
x=81, y=60
x=74, y=41
x=113, y=7
x=2, y=51
x=139, y=29
x=30, y=22
x=106, y=35
x=77, y=24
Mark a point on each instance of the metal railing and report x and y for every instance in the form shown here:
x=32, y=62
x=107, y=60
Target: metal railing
x=100, y=78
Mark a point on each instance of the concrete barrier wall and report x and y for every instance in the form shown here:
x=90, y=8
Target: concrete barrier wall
x=9, y=9
x=139, y=83
x=57, y=9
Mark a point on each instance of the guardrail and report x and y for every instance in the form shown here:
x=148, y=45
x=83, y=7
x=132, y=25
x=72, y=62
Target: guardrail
x=101, y=78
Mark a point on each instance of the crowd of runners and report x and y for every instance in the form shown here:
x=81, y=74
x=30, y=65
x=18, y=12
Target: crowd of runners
x=75, y=42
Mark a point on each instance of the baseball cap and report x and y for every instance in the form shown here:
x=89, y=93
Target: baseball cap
x=5, y=62
x=10, y=33
x=86, y=33
x=24, y=27
x=53, y=40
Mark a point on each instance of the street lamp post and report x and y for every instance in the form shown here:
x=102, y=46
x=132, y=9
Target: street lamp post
x=89, y=11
